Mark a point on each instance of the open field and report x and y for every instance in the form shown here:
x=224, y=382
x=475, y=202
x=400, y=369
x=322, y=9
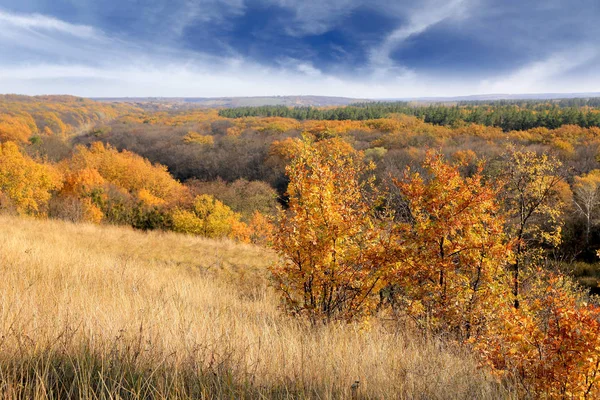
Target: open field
x=104, y=312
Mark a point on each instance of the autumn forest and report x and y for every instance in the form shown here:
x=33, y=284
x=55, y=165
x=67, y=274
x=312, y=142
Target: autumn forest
x=469, y=228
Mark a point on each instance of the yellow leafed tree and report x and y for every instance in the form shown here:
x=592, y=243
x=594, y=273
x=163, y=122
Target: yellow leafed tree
x=26, y=184
x=328, y=239
x=208, y=217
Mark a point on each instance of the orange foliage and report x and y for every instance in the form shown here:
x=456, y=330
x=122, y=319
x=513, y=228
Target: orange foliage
x=261, y=229
x=551, y=343
x=26, y=184
x=128, y=171
x=15, y=127
x=450, y=249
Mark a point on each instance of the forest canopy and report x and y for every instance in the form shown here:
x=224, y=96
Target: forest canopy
x=508, y=115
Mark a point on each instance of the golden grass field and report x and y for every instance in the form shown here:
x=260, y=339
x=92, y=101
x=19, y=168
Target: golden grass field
x=101, y=312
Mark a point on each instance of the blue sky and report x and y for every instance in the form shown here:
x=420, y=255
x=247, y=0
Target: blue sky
x=355, y=48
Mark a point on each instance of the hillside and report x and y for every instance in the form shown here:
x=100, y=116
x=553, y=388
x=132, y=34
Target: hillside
x=162, y=103
x=108, y=312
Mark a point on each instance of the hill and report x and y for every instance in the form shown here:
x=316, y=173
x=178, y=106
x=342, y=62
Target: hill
x=108, y=312
x=160, y=103
x=181, y=103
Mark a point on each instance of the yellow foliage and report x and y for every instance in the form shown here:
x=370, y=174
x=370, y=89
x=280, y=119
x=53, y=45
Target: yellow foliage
x=15, y=128
x=198, y=138
x=91, y=212
x=26, y=183
x=208, y=217
x=564, y=147
x=82, y=182
x=149, y=199
x=327, y=238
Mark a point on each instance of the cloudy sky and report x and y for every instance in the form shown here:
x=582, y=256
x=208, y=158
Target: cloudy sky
x=355, y=48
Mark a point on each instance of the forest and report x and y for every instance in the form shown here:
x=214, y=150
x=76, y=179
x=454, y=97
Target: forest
x=508, y=115
x=475, y=222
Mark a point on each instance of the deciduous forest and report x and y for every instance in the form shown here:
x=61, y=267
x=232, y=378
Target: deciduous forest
x=473, y=225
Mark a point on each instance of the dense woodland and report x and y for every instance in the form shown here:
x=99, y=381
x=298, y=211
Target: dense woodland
x=467, y=220
x=508, y=115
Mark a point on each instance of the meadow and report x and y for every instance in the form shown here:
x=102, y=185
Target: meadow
x=105, y=312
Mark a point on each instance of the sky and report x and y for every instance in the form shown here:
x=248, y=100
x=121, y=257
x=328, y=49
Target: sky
x=351, y=48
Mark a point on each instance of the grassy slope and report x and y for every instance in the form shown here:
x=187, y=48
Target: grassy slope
x=107, y=312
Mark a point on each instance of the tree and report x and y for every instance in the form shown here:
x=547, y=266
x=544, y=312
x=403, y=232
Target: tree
x=451, y=248
x=28, y=185
x=208, y=217
x=17, y=128
x=586, y=197
x=328, y=238
x=128, y=171
x=533, y=198
x=551, y=344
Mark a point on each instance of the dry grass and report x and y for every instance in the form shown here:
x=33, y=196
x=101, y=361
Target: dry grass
x=104, y=312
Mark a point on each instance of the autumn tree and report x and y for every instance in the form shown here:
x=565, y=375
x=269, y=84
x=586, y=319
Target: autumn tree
x=127, y=170
x=586, y=198
x=16, y=127
x=78, y=200
x=26, y=184
x=550, y=345
x=451, y=249
x=208, y=217
x=261, y=229
x=328, y=235
x=533, y=196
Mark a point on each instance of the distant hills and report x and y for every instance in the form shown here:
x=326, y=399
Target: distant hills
x=232, y=102
x=318, y=101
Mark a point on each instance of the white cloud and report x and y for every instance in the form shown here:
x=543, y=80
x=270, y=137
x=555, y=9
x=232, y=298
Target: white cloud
x=540, y=76
x=82, y=60
x=43, y=23
x=314, y=17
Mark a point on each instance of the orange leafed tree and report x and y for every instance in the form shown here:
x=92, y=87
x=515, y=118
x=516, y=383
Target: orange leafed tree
x=550, y=344
x=128, y=171
x=328, y=236
x=451, y=248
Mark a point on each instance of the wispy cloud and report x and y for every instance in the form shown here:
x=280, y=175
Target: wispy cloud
x=540, y=75
x=39, y=22
x=46, y=54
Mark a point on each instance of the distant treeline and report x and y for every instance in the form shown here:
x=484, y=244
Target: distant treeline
x=506, y=114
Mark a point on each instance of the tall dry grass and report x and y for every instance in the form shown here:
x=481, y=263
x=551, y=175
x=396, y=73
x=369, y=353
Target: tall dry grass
x=104, y=312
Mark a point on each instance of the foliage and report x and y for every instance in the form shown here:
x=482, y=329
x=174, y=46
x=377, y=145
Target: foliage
x=450, y=250
x=23, y=116
x=518, y=115
x=328, y=237
x=551, y=344
x=26, y=184
x=261, y=229
x=128, y=171
x=198, y=138
x=242, y=196
x=533, y=198
x=208, y=217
